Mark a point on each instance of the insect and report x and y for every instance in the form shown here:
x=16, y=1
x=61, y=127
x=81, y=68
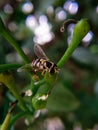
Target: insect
x=43, y=64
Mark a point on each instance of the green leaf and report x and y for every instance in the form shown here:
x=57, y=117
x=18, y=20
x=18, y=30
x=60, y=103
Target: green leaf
x=62, y=100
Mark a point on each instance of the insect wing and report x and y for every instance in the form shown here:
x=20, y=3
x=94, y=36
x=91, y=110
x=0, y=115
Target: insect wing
x=26, y=67
x=39, y=52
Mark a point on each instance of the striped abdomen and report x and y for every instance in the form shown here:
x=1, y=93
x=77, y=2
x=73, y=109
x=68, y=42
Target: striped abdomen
x=42, y=65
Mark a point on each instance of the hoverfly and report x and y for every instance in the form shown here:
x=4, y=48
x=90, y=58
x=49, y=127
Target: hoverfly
x=41, y=64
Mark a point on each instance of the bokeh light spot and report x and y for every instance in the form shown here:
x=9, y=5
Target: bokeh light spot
x=71, y=6
x=31, y=22
x=43, y=19
x=88, y=37
x=61, y=15
x=8, y=9
x=50, y=10
x=97, y=9
x=27, y=7
x=42, y=31
x=12, y=26
x=67, y=4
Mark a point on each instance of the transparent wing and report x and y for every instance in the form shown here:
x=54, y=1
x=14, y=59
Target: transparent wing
x=26, y=67
x=39, y=52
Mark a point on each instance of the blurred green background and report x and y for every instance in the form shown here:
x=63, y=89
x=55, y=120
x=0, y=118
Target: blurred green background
x=73, y=104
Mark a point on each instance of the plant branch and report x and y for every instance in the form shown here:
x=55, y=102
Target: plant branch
x=8, y=80
x=80, y=30
x=6, y=34
x=5, y=67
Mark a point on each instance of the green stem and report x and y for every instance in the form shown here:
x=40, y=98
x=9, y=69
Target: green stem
x=9, y=82
x=6, y=34
x=5, y=67
x=80, y=30
x=15, y=118
x=6, y=122
x=35, y=86
x=13, y=42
